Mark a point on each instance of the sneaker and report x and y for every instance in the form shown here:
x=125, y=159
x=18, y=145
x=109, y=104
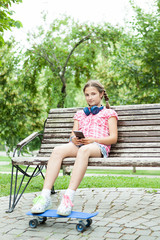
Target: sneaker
x=41, y=204
x=65, y=207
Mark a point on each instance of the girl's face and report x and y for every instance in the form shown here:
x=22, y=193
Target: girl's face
x=93, y=97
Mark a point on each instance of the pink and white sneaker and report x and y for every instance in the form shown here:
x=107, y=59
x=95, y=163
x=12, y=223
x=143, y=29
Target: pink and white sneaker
x=65, y=207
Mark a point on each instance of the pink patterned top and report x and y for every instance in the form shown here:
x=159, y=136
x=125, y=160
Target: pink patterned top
x=95, y=125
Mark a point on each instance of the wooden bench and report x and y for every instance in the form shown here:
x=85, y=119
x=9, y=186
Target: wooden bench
x=138, y=143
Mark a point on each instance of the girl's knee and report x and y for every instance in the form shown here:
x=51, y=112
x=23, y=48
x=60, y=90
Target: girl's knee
x=65, y=150
x=84, y=150
x=90, y=150
x=58, y=150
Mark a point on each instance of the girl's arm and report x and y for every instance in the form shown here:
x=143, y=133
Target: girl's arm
x=72, y=136
x=75, y=127
x=111, y=139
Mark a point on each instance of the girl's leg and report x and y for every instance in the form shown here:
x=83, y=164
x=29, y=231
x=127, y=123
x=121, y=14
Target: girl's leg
x=79, y=169
x=43, y=202
x=81, y=163
x=55, y=161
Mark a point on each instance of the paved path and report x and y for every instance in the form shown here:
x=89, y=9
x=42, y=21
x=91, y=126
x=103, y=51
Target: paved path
x=123, y=214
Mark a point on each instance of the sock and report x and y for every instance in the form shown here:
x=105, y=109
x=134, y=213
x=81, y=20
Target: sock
x=46, y=193
x=70, y=193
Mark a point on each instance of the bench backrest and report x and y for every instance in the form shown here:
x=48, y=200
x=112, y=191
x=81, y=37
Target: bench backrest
x=138, y=130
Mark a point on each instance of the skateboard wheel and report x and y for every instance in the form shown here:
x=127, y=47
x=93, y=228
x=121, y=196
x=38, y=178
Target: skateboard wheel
x=89, y=222
x=33, y=223
x=42, y=219
x=81, y=227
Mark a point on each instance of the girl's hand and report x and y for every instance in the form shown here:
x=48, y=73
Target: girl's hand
x=76, y=141
x=87, y=140
x=84, y=141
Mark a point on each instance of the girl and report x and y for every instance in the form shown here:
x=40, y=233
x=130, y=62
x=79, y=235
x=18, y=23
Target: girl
x=99, y=126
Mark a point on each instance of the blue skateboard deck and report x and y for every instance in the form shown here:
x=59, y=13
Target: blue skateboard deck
x=53, y=213
x=81, y=226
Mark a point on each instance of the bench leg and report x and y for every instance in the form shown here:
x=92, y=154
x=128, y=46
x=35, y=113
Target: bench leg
x=18, y=192
x=53, y=191
x=66, y=170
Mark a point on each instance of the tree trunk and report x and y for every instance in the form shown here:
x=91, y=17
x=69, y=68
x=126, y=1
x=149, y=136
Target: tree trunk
x=62, y=95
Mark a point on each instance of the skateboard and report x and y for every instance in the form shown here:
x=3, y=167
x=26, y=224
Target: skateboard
x=81, y=226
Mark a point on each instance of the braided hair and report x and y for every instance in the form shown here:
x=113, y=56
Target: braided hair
x=99, y=87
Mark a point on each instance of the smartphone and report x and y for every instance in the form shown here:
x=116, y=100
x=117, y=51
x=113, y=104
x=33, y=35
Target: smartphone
x=79, y=134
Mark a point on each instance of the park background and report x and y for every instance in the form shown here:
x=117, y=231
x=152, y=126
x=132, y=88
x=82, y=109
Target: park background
x=45, y=64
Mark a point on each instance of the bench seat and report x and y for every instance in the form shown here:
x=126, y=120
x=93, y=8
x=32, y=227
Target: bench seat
x=99, y=162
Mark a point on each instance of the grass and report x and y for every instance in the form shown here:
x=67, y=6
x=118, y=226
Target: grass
x=7, y=169
x=5, y=159
x=36, y=184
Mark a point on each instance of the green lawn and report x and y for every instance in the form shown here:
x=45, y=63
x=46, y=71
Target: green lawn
x=88, y=182
x=5, y=159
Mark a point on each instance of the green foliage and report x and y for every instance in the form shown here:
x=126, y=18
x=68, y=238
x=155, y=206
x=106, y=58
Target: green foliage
x=21, y=105
x=131, y=74
x=62, y=58
x=6, y=21
x=68, y=52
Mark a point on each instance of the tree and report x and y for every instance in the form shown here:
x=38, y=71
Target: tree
x=32, y=82
x=6, y=21
x=69, y=50
x=147, y=26
x=133, y=69
x=22, y=112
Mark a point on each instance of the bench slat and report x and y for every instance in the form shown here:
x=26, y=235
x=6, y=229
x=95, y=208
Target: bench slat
x=120, y=107
x=120, y=129
x=120, y=140
x=137, y=162
x=54, y=138
x=126, y=150
x=55, y=122
x=139, y=134
x=69, y=117
x=120, y=162
x=118, y=145
x=121, y=134
x=137, y=145
x=121, y=112
x=60, y=120
x=124, y=155
x=139, y=117
x=138, y=128
x=139, y=123
x=59, y=126
x=138, y=112
x=136, y=154
x=138, y=139
x=137, y=106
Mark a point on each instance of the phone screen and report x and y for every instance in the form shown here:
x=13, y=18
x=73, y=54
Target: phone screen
x=79, y=134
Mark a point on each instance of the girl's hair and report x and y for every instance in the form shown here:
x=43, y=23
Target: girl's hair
x=99, y=87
